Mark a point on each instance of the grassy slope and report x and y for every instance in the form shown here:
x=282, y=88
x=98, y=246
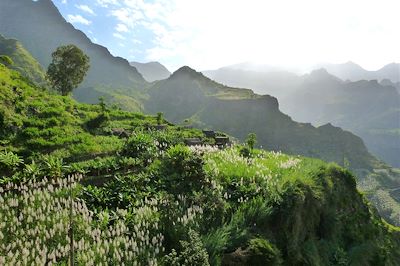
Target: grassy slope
x=36, y=121
x=23, y=60
x=272, y=208
x=310, y=210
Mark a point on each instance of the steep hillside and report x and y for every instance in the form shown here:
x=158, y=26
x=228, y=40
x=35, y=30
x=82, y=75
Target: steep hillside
x=23, y=61
x=41, y=29
x=189, y=95
x=139, y=196
x=151, y=71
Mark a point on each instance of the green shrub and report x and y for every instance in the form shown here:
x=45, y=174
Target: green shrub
x=251, y=140
x=245, y=152
x=140, y=146
x=33, y=169
x=182, y=170
x=192, y=253
x=53, y=166
x=216, y=242
x=262, y=252
x=165, y=139
x=160, y=118
x=98, y=121
x=9, y=163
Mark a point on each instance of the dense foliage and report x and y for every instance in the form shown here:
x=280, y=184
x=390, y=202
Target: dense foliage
x=135, y=194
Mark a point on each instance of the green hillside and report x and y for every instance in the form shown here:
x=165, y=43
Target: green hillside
x=39, y=26
x=23, y=61
x=144, y=197
x=36, y=121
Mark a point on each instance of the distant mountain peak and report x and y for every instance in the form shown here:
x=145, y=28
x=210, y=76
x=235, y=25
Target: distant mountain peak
x=352, y=64
x=151, y=71
x=184, y=69
x=321, y=74
x=187, y=71
x=155, y=63
x=151, y=63
x=391, y=66
x=320, y=71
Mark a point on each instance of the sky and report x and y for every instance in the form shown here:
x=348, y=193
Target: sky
x=208, y=34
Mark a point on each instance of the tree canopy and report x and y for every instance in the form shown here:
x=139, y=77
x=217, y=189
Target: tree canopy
x=68, y=68
x=251, y=140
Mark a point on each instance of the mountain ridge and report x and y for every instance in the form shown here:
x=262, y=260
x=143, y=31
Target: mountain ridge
x=366, y=108
x=198, y=98
x=42, y=33
x=352, y=71
x=297, y=97
x=151, y=71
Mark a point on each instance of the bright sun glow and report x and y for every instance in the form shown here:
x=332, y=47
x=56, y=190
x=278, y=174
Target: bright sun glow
x=209, y=34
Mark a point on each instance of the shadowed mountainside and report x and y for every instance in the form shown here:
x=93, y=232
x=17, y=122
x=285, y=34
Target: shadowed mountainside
x=41, y=29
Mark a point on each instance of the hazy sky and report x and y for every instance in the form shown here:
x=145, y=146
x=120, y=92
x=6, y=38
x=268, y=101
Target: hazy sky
x=207, y=34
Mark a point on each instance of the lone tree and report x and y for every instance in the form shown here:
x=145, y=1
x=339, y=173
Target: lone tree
x=159, y=118
x=251, y=140
x=103, y=105
x=68, y=68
